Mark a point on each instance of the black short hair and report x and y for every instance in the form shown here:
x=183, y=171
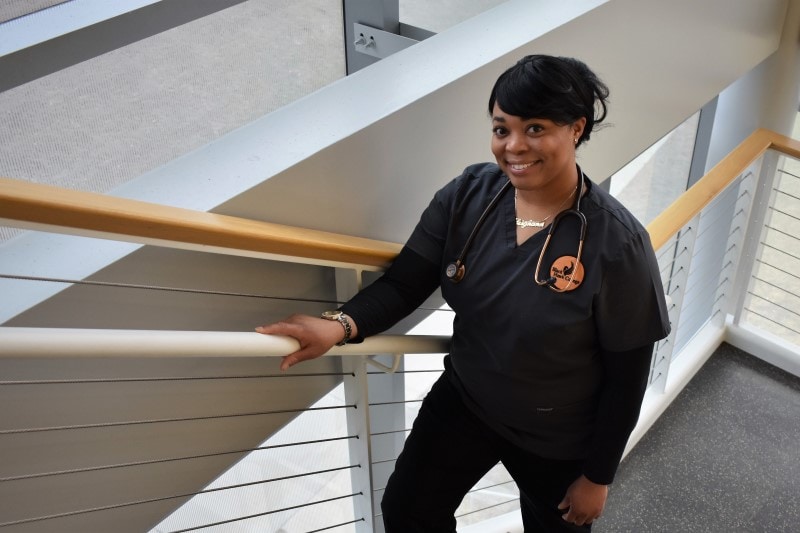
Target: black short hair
x=561, y=89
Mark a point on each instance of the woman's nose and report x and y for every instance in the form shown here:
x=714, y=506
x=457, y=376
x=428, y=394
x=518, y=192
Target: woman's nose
x=516, y=143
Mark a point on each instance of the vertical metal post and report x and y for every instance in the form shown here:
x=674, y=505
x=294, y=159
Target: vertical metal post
x=375, y=456
x=759, y=215
x=676, y=291
x=356, y=392
x=381, y=14
x=740, y=217
x=388, y=425
x=687, y=244
x=702, y=141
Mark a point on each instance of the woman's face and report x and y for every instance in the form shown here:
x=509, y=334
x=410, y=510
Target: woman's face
x=534, y=153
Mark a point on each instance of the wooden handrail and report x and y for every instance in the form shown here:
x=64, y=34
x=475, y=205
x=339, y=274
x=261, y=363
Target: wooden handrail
x=36, y=206
x=48, y=208
x=691, y=202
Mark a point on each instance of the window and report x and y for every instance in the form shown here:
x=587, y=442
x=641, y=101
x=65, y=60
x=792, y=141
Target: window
x=654, y=179
x=105, y=121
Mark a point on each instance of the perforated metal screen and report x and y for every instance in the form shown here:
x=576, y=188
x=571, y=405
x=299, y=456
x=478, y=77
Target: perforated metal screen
x=11, y=9
x=105, y=121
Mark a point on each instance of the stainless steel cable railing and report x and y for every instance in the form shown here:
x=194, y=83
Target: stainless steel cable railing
x=238, y=452
x=773, y=300
x=154, y=384
x=47, y=476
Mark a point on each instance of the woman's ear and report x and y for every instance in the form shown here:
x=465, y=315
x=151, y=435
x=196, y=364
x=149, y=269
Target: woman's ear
x=577, y=127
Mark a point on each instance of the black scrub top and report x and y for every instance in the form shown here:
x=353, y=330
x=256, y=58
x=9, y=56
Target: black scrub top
x=526, y=358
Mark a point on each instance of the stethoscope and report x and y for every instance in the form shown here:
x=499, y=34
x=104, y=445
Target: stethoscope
x=456, y=270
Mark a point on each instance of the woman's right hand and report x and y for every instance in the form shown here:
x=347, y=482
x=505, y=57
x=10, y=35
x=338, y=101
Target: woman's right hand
x=315, y=335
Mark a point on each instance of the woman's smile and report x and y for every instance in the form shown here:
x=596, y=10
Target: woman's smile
x=521, y=166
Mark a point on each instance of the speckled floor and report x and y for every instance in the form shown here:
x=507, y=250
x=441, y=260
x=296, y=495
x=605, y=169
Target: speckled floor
x=725, y=457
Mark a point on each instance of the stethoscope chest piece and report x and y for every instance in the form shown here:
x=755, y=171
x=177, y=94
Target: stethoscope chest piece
x=455, y=271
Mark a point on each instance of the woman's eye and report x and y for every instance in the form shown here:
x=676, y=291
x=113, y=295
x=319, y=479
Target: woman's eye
x=535, y=128
x=499, y=131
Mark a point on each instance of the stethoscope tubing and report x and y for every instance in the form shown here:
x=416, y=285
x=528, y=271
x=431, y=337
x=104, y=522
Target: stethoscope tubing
x=456, y=270
x=550, y=281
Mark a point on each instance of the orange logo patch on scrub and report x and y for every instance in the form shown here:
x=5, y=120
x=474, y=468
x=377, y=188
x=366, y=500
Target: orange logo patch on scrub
x=567, y=272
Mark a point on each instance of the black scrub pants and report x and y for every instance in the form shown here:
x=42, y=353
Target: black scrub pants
x=448, y=451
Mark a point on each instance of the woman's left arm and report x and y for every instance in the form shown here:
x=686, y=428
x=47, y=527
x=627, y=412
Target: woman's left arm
x=630, y=311
x=624, y=383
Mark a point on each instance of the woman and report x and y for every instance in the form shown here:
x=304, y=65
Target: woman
x=552, y=336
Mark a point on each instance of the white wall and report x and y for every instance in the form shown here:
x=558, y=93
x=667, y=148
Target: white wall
x=766, y=97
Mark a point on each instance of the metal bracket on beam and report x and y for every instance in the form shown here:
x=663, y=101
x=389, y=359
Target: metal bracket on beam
x=378, y=43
